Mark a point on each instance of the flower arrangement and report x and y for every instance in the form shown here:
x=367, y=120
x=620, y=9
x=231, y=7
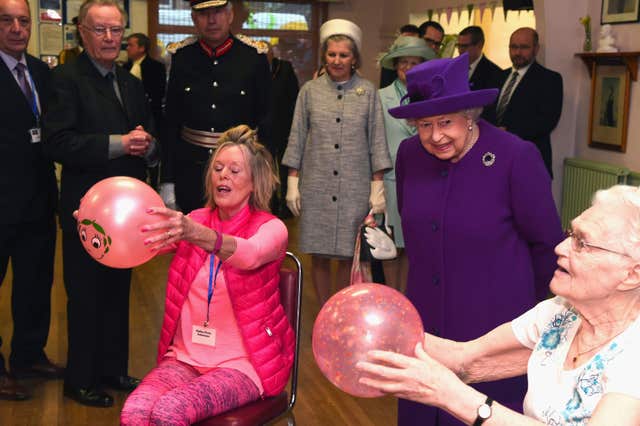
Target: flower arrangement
x=586, y=23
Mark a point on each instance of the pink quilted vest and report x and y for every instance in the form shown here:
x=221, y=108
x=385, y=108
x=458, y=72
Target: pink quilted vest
x=255, y=297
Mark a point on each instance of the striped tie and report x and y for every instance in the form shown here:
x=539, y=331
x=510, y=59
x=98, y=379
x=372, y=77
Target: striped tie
x=506, y=96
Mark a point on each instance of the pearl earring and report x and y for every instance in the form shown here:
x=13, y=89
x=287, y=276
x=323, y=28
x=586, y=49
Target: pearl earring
x=470, y=127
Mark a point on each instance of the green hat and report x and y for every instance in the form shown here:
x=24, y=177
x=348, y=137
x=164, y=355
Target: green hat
x=407, y=46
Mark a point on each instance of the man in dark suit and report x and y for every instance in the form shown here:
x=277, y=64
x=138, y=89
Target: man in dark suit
x=530, y=101
x=154, y=78
x=284, y=93
x=483, y=74
x=217, y=81
x=28, y=198
x=97, y=126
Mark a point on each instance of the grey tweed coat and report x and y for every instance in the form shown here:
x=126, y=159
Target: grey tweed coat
x=337, y=142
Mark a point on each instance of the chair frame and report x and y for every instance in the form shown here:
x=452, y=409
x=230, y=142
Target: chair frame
x=296, y=323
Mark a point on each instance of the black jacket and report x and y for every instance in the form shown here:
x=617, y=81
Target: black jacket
x=28, y=189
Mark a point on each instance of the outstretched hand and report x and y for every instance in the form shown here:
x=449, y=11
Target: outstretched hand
x=420, y=378
x=176, y=227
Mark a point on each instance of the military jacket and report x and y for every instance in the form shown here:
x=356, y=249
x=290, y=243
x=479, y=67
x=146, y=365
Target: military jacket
x=211, y=91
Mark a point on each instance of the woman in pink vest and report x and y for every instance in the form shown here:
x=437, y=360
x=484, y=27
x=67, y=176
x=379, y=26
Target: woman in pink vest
x=225, y=339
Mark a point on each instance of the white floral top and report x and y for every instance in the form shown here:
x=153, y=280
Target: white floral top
x=568, y=397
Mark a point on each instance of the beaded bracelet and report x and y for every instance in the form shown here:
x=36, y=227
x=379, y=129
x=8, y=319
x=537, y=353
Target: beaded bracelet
x=218, y=245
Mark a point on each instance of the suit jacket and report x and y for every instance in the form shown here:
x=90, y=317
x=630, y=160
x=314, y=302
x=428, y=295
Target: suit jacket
x=28, y=189
x=154, y=80
x=534, y=109
x=83, y=113
x=487, y=75
x=284, y=92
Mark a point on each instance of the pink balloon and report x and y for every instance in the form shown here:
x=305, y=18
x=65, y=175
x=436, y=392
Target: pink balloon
x=110, y=216
x=357, y=319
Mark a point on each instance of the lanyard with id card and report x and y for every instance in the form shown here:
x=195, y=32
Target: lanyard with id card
x=35, y=133
x=203, y=334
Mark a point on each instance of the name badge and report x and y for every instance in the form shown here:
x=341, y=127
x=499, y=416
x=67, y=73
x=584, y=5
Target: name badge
x=203, y=335
x=35, y=135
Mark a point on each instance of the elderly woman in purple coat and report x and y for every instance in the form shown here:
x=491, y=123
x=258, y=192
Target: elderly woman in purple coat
x=478, y=217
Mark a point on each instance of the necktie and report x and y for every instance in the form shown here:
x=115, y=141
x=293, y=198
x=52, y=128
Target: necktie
x=114, y=85
x=506, y=95
x=24, y=84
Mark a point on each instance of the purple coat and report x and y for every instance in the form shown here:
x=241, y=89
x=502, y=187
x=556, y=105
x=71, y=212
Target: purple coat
x=480, y=240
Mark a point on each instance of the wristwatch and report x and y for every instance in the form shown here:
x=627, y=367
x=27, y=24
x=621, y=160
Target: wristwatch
x=484, y=412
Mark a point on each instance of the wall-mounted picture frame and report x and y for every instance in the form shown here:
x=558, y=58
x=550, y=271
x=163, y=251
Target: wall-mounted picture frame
x=620, y=11
x=609, y=113
x=50, y=10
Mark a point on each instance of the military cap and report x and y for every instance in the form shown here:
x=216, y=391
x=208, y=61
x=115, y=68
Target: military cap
x=204, y=4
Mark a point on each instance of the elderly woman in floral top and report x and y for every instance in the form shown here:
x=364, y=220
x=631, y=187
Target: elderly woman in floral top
x=579, y=350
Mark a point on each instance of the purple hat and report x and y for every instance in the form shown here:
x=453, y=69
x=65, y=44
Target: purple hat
x=441, y=86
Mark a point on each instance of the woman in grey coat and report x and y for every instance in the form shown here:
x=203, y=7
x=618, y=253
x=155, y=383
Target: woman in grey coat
x=337, y=156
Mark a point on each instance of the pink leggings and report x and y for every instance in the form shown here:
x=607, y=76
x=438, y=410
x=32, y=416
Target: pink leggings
x=175, y=393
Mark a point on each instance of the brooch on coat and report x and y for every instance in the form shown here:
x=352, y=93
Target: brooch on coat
x=359, y=91
x=488, y=158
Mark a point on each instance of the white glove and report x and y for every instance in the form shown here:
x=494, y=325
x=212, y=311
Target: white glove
x=382, y=246
x=293, y=195
x=168, y=195
x=376, y=197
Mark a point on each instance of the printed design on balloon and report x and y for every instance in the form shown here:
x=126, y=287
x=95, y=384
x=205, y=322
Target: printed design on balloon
x=94, y=238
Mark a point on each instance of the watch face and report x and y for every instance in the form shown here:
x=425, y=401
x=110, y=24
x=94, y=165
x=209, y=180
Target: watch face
x=484, y=411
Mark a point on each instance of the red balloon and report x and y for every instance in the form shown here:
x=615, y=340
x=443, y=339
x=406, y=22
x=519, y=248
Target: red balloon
x=110, y=216
x=357, y=319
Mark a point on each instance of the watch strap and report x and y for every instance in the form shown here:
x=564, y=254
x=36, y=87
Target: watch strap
x=480, y=420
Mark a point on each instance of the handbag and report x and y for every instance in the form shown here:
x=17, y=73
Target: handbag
x=377, y=241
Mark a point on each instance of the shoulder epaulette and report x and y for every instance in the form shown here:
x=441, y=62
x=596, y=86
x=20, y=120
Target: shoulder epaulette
x=177, y=45
x=259, y=45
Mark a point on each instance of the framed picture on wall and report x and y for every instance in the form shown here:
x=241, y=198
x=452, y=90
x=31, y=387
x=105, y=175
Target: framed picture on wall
x=72, y=7
x=620, y=11
x=610, y=86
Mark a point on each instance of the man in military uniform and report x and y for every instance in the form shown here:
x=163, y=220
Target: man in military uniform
x=217, y=81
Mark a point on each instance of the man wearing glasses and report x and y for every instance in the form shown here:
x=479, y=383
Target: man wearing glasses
x=432, y=33
x=28, y=197
x=98, y=125
x=483, y=74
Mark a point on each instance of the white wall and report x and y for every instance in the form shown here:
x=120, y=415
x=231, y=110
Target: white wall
x=627, y=39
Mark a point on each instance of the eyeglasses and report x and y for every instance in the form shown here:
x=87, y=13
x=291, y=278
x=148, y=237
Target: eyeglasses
x=7, y=21
x=102, y=31
x=464, y=45
x=433, y=42
x=578, y=244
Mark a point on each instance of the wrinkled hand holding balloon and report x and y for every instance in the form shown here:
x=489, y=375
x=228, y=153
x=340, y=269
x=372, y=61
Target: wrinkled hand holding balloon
x=357, y=319
x=110, y=216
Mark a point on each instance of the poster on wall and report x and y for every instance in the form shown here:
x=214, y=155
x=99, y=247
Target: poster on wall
x=620, y=11
x=72, y=7
x=50, y=38
x=50, y=10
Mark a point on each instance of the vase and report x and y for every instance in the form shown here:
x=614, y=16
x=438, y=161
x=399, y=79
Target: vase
x=586, y=46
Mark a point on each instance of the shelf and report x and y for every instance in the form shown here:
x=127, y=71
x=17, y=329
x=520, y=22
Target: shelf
x=630, y=59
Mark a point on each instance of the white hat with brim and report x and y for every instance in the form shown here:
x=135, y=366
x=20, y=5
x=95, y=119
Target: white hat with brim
x=341, y=27
x=407, y=46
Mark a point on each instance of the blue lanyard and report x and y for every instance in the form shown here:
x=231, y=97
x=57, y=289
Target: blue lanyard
x=213, y=277
x=33, y=101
